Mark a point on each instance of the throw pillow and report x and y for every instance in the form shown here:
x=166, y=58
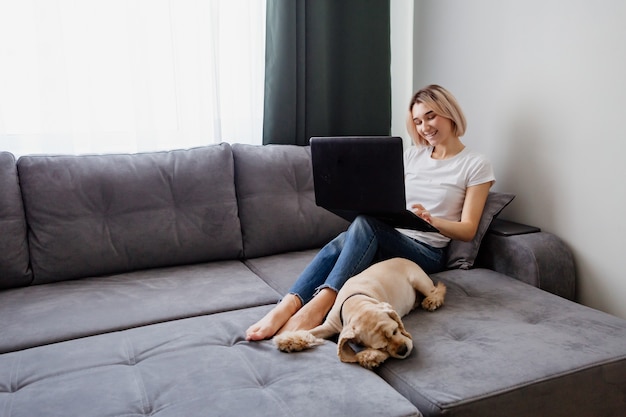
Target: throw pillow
x=461, y=255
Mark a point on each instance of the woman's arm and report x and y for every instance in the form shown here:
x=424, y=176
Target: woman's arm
x=465, y=229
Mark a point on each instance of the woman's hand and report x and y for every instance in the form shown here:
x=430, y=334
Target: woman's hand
x=420, y=211
x=465, y=229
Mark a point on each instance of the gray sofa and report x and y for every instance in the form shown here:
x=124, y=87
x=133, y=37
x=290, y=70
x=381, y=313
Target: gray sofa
x=127, y=283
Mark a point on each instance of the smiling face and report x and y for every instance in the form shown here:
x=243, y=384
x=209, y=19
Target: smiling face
x=433, y=128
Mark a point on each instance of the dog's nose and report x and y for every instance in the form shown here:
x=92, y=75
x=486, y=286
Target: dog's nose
x=402, y=350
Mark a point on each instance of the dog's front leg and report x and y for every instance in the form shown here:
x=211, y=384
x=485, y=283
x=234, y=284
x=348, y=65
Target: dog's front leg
x=371, y=358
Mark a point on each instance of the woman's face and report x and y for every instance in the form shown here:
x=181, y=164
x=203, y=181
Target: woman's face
x=433, y=128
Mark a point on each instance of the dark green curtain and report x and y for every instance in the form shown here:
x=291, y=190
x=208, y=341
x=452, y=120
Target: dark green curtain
x=327, y=69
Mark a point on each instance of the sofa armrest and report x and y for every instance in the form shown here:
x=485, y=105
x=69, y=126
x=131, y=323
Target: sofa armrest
x=539, y=259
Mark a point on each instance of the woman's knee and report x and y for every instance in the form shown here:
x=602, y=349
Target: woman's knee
x=362, y=224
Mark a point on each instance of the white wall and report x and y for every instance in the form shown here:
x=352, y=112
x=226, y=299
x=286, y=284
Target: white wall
x=401, y=64
x=543, y=85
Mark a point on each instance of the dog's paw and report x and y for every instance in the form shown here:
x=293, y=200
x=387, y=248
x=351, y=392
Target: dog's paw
x=435, y=298
x=296, y=341
x=371, y=358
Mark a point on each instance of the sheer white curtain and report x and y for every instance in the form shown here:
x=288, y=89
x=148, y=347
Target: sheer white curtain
x=102, y=76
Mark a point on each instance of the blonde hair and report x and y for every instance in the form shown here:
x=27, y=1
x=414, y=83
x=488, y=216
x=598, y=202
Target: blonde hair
x=442, y=103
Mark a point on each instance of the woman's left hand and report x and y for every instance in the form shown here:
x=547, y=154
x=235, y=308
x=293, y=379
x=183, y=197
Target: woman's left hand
x=465, y=229
x=421, y=212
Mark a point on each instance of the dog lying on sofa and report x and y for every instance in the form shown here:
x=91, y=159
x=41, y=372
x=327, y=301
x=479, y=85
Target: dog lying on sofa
x=368, y=311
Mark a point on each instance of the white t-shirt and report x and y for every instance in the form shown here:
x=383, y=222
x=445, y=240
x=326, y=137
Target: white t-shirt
x=439, y=185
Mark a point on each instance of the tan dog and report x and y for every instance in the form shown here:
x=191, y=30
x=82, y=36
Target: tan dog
x=367, y=313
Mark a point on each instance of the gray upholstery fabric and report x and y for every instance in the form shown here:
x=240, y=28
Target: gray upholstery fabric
x=280, y=271
x=42, y=314
x=194, y=367
x=14, y=267
x=499, y=344
x=103, y=214
x=463, y=254
x=539, y=259
x=167, y=339
x=277, y=202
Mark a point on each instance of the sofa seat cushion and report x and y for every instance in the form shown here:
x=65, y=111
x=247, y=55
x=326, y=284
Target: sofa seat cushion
x=104, y=214
x=281, y=271
x=192, y=367
x=500, y=344
x=50, y=313
x=14, y=260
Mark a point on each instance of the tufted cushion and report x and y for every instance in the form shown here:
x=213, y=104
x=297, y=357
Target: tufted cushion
x=80, y=308
x=463, y=254
x=194, y=367
x=500, y=344
x=277, y=202
x=103, y=214
x=280, y=271
x=14, y=268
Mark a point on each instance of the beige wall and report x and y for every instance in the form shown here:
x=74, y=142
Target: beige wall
x=543, y=85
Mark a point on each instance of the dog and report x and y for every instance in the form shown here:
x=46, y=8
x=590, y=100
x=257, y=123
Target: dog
x=367, y=313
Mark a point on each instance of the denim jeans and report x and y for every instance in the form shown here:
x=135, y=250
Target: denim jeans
x=366, y=241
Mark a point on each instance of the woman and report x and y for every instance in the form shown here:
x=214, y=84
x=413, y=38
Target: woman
x=446, y=185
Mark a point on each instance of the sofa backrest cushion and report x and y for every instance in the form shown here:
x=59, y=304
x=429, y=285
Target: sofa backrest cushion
x=462, y=255
x=100, y=214
x=14, y=263
x=277, y=201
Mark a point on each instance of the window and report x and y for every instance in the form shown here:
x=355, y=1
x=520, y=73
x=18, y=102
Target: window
x=102, y=76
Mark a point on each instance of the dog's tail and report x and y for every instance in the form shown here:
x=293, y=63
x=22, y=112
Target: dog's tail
x=295, y=341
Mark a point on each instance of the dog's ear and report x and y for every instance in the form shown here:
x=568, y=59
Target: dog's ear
x=387, y=308
x=394, y=315
x=344, y=350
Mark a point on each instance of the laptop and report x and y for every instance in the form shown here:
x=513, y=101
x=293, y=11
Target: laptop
x=363, y=175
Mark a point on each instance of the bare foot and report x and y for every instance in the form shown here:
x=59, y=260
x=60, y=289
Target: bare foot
x=275, y=319
x=312, y=313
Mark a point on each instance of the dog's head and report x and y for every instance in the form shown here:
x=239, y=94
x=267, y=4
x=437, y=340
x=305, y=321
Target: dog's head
x=375, y=326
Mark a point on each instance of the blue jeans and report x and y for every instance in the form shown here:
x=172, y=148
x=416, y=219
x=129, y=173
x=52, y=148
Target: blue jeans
x=366, y=241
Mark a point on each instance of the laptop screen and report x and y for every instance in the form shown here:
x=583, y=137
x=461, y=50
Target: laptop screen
x=364, y=174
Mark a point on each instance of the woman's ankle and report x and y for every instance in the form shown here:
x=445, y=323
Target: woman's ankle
x=313, y=313
x=269, y=325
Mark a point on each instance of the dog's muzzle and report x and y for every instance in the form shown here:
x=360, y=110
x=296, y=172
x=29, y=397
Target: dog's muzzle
x=402, y=350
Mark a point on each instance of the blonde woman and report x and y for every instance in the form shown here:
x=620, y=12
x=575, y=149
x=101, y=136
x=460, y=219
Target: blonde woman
x=446, y=184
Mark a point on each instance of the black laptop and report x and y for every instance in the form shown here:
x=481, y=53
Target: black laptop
x=363, y=175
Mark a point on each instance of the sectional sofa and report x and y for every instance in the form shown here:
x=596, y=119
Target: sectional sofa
x=127, y=283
